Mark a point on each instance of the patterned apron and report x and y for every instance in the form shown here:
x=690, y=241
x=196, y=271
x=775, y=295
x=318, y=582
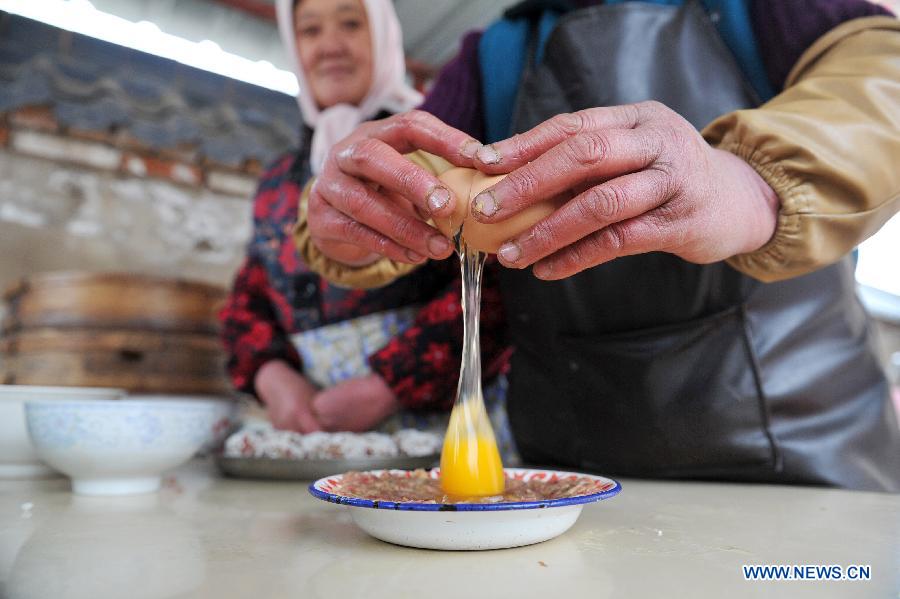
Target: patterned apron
x=337, y=352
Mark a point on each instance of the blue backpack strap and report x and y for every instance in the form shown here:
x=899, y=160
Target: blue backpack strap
x=545, y=28
x=502, y=52
x=501, y=57
x=732, y=19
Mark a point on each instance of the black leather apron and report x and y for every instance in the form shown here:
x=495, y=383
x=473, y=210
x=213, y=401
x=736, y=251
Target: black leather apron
x=653, y=366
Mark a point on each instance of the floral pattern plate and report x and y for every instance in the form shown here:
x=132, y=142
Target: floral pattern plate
x=468, y=526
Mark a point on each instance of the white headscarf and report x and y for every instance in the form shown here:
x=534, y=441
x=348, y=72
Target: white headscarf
x=389, y=90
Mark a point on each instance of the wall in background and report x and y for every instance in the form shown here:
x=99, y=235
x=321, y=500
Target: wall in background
x=67, y=215
x=114, y=160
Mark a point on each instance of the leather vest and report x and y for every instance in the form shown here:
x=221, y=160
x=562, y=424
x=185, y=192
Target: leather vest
x=652, y=366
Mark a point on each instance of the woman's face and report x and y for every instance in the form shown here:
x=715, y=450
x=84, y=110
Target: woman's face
x=335, y=49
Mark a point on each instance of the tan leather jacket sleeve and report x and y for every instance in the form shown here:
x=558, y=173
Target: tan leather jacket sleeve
x=829, y=145
x=377, y=274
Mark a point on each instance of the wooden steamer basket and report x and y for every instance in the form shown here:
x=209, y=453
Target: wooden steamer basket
x=140, y=333
x=113, y=301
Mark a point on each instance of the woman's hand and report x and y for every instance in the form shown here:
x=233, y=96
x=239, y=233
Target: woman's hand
x=287, y=396
x=369, y=200
x=355, y=405
x=640, y=179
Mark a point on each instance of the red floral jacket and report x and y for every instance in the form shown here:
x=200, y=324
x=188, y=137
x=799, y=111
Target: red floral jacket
x=275, y=296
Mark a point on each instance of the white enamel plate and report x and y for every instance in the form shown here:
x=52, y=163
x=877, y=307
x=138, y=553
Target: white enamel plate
x=468, y=526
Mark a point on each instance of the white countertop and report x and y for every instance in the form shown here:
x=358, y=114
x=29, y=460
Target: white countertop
x=204, y=536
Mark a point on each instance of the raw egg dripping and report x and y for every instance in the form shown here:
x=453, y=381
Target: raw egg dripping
x=470, y=461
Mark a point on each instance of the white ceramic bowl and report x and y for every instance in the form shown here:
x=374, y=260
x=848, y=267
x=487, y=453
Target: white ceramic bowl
x=468, y=526
x=227, y=415
x=17, y=456
x=119, y=447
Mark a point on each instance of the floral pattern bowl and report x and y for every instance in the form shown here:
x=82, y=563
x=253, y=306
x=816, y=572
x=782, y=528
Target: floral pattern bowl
x=119, y=447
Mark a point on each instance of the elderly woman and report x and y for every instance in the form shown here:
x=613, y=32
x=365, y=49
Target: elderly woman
x=319, y=356
x=689, y=309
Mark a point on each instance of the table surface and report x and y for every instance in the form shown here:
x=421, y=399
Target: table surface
x=205, y=536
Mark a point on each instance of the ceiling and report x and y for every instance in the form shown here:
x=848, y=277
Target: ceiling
x=431, y=28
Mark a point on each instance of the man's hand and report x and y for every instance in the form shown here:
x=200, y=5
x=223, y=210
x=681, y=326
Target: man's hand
x=369, y=200
x=287, y=396
x=355, y=405
x=638, y=178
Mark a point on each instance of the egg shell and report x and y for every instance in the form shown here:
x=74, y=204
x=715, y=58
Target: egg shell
x=459, y=181
x=467, y=183
x=489, y=237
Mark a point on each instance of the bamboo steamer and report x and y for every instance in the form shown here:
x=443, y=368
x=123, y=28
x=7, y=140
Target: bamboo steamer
x=140, y=333
x=138, y=361
x=112, y=301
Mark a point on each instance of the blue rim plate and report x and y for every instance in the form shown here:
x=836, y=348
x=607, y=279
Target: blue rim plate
x=606, y=488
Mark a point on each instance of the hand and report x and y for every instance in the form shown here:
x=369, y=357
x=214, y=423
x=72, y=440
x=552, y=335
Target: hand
x=355, y=405
x=369, y=200
x=638, y=178
x=288, y=397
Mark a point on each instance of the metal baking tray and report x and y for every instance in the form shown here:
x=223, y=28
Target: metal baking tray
x=309, y=470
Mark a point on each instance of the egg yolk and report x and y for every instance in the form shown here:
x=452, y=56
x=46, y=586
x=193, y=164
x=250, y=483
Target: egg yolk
x=470, y=460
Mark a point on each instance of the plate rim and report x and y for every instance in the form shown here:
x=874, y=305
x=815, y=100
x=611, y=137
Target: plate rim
x=414, y=506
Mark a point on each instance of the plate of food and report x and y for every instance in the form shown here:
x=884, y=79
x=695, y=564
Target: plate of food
x=267, y=453
x=408, y=507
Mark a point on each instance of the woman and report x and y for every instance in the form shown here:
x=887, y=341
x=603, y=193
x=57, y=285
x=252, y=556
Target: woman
x=322, y=357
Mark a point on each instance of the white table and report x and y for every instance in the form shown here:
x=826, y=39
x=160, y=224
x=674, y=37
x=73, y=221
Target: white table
x=204, y=536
